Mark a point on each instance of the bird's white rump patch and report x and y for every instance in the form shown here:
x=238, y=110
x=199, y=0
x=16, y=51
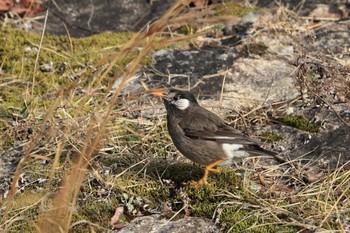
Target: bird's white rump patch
x=182, y=104
x=232, y=151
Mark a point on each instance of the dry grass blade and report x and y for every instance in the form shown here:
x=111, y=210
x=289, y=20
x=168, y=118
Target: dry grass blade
x=31, y=145
x=37, y=56
x=59, y=217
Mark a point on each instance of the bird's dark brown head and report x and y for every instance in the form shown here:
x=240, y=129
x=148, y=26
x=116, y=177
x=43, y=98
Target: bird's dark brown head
x=176, y=101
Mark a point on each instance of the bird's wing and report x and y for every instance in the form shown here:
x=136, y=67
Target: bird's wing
x=206, y=125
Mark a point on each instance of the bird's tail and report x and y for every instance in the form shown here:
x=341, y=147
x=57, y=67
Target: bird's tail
x=260, y=151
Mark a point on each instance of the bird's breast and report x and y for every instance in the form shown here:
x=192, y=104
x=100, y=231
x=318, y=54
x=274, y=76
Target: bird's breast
x=198, y=150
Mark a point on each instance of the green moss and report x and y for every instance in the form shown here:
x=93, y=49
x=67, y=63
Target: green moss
x=149, y=188
x=70, y=58
x=299, y=123
x=270, y=137
x=254, y=48
x=218, y=196
x=26, y=207
x=7, y=134
x=179, y=173
x=188, y=29
x=310, y=75
x=234, y=9
x=97, y=212
x=206, y=198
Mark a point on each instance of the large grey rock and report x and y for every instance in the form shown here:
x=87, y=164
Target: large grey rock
x=154, y=224
x=84, y=18
x=259, y=81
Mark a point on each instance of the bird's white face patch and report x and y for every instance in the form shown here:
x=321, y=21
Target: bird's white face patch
x=182, y=104
x=233, y=152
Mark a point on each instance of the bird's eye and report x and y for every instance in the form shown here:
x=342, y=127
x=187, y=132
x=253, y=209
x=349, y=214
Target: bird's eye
x=176, y=98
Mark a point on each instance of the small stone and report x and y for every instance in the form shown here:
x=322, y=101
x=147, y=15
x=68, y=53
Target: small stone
x=251, y=17
x=27, y=49
x=289, y=111
x=47, y=67
x=281, y=148
x=287, y=50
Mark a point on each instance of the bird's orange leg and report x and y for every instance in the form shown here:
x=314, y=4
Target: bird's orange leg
x=209, y=168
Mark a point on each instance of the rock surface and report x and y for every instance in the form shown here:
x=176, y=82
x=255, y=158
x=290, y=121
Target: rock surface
x=153, y=224
x=84, y=18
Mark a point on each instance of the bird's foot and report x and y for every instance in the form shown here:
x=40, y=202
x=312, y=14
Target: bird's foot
x=208, y=169
x=213, y=170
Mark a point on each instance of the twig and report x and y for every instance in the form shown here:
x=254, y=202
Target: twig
x=91, y=15
x=319, y=18
x=222, y=87
x=10, y=82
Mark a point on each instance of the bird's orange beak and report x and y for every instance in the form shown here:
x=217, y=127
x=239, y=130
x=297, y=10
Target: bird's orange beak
x=157, y=91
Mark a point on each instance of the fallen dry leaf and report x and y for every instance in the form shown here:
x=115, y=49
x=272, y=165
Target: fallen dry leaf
x=115, y=220
x=6, y=5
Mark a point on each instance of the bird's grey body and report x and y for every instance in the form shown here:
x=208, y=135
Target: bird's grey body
x=202, y=136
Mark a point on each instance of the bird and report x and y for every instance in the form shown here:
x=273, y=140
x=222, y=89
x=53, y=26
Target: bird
x=202, y=136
